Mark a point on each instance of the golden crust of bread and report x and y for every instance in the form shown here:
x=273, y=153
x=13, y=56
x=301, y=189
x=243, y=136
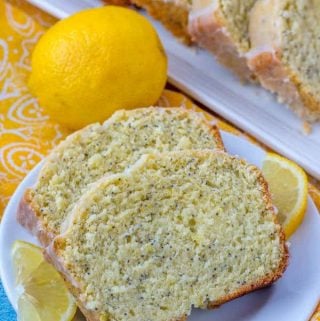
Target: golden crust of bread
x=208, y=30
x=173, y=16
x=29, y=217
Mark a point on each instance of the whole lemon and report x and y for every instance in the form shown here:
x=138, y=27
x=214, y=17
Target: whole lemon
x=96, y=61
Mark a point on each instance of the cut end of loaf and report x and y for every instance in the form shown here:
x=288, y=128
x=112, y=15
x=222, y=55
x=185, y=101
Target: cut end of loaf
x=278, y=78
x=222, y=28
x=284, y=53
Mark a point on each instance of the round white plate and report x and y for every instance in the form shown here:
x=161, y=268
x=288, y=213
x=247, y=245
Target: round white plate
x=293, y=298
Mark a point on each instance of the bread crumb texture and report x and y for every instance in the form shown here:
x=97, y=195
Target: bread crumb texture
x=237, y=13
x=98, y=150
x=178, y=230
x=301, y=42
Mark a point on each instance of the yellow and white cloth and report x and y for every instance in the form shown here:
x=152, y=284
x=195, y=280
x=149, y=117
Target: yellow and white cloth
x=26, y=133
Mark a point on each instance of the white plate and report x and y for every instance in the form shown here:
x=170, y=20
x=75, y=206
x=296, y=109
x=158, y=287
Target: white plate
x=293, y=298
x=249, y=107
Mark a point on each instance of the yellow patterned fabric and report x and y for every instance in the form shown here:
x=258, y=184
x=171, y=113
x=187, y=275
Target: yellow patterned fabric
x=26, y=133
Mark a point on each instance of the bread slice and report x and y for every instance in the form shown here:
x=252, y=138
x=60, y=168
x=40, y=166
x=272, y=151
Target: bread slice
x=99, y=150
x=172, y=13
x=285, y=52
x=221, y=26
x=176, y=230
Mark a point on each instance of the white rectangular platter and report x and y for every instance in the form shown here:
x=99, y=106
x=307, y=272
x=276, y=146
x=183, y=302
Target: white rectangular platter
x=249, y=107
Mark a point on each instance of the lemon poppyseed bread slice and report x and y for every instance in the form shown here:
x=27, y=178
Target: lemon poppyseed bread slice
x=285, y=52
x=176, y=230
x=99, y=150
x=221, y=26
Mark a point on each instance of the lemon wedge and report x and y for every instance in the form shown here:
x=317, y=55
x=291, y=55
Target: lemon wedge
x=24, y=267
x=288, y=185
x=44, y=296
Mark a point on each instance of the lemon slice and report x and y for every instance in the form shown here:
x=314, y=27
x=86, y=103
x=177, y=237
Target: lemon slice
x=44, y=296
x=24, y=267
x=288, y=185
